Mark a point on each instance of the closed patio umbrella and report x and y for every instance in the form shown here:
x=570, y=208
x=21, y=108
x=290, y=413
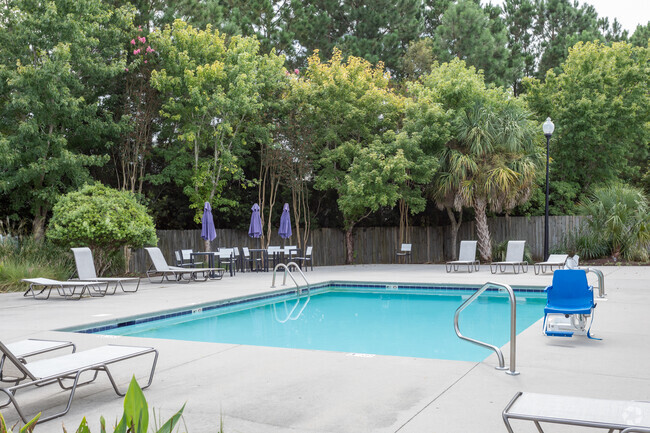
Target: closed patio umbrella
x=255, y=228
x=208, y=233
x=285, y=223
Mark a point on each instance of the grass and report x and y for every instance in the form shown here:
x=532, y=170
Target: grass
x=24, y=257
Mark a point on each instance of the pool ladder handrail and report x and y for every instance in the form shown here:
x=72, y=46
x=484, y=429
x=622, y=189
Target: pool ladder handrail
x=601, y=283
x=291, y=316
x=513, y=326
x=288, y=271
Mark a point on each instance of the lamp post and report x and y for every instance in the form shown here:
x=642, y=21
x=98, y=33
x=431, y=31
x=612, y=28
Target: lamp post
x=548, y=129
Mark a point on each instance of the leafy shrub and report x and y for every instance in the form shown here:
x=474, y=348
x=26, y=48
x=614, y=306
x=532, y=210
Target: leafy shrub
x=618, y=225
x=103, y=219
x=619, y=222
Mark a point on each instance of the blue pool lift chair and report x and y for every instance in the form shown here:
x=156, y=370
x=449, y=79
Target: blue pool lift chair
x=570, y=304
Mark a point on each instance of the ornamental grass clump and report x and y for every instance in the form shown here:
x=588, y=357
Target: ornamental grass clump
x=24, y=257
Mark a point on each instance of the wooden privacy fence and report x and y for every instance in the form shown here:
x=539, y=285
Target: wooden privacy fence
x=375, y=244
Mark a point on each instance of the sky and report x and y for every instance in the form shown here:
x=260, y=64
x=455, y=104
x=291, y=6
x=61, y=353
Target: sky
x=629, y=13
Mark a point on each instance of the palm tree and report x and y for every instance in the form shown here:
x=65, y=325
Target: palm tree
x=491, y=165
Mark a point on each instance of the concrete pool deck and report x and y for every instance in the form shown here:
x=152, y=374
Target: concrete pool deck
x=263, y=389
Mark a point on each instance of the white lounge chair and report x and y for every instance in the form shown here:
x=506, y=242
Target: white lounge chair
x=514, y=258
x=466, y=256
x=558, y=260
x=83, y=258
x=31, y=347
x=70, y=367
x=625, y=416
x=163, y=270
x=67, y=289
x=405, y=251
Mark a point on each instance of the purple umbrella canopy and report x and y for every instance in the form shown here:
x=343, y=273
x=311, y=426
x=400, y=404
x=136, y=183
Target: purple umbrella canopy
x=285, y=223
x=207, y=223
x=255, y=229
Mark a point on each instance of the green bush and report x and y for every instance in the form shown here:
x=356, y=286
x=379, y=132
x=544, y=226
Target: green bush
x=103, y=219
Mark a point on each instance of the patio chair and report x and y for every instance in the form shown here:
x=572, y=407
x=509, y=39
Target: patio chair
x=514, y=258
x=558, y=260
x=570, y=303
x=302, y=261
x=67, y=289
x=289, y=252
x=250, y=262
x=624, y=416
x=274, y=254
x=179, y=262
x=83, y=258
x=466, y=256
x=70, y=367
x=31, y=347
x=227, y=260
x=405, y=251
x=188, y=260
x=163, y=270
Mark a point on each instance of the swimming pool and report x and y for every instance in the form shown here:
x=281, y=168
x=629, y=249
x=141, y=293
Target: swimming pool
x=390, y=319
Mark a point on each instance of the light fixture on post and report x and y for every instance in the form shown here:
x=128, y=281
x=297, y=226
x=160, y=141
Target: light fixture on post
x=548, y=127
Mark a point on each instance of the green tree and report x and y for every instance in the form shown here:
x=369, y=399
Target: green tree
x=520, y=18
x=442, y=96
x=103, y=219
x=433, y=12
x=376, y=30
x=600, y=106
x=641, y=36
x=351, y=116
x=490, y=160
x=418, y=59
x=560, y=25
x=55, y=115
x=466, y=32
x=499, y=164
x=215, y=91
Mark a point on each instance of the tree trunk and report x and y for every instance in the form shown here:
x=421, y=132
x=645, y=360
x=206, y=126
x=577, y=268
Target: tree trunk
x=349, y=246
x=482, y=230
x=455, y=226
x=38, y=225
x=206, y=246
x=127, y=259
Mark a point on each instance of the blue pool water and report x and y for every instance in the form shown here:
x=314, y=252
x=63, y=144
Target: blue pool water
x=413, y=324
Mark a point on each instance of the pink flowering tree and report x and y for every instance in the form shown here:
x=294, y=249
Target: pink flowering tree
x=141, y=105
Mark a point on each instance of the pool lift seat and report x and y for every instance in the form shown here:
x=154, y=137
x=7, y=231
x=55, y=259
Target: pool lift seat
x=570, y=306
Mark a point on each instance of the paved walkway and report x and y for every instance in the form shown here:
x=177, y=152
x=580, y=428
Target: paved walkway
x=262, y=389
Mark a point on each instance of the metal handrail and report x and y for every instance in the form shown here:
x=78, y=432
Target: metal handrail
x=284, y=283
x=287, y=271
x=513, y=325
x=601, y=282
x=290, y=315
